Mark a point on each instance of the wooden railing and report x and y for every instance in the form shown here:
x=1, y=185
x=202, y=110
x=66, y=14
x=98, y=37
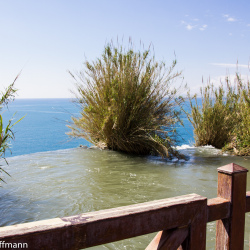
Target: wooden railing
x=181, y=221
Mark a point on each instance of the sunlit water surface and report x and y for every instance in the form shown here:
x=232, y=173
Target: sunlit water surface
x=73, y=181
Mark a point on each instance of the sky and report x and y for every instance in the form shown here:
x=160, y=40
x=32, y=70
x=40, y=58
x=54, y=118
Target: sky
x=46, y=39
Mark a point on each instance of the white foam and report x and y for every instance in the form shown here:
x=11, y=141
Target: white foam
x=208, y=146
x=44, y=167
x=184, y=146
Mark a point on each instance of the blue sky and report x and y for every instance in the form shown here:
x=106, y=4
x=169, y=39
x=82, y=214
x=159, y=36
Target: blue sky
x=45, y=39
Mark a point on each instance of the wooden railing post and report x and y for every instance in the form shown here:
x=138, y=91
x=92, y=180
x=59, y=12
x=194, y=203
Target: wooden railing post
x=196, y=239
x=192, y=236
x=232, y=186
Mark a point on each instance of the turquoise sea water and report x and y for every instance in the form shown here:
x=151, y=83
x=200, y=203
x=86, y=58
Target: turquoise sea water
x=43, y=127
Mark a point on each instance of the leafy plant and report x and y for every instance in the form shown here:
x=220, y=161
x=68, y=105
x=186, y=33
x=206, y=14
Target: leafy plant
x=128, y=103
x=6, y=133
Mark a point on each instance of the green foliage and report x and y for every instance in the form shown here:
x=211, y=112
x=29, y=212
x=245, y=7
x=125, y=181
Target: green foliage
x=211, y=122
x=223, y=119
x=6, y=133
x=128, y=103
x=240, y=139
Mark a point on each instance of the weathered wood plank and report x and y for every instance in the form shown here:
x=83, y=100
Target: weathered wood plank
x=248, y=202
x=168, y=239
x=218, y=208
x=232, y=186
x=95, y=228
x=196, y=239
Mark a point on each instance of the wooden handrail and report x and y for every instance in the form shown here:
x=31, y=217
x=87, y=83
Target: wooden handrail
x=100, y=227
x=218, y=208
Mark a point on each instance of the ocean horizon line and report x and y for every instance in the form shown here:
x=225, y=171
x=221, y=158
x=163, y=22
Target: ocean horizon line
x=42, y=98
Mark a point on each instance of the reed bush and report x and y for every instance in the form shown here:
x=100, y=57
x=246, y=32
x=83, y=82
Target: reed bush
x=128, y=102
x=240, y=139
x=222, y=120
x=211, y=121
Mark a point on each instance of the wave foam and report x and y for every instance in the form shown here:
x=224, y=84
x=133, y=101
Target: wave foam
x=184, y=146
x=207, y=146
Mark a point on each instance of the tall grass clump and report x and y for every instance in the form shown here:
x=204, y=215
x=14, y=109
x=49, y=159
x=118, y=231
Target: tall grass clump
x=240, y=139
x=128, y=102
x=211, y=118
x=221, y=118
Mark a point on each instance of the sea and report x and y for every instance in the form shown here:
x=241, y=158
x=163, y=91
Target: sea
x=43, y=126
x=52, y=176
